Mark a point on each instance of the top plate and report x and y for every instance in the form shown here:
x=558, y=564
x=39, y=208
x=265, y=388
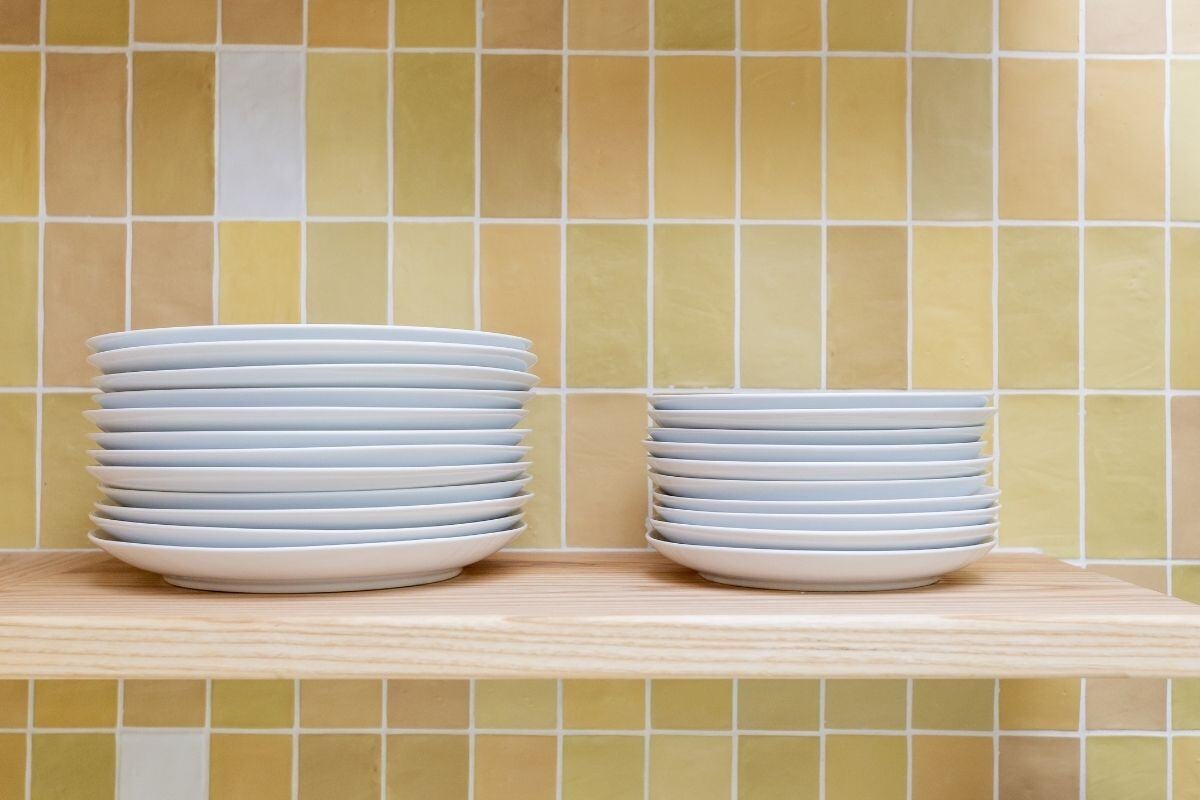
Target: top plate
x=823, y=418
x=245, y=333
x=796, y=400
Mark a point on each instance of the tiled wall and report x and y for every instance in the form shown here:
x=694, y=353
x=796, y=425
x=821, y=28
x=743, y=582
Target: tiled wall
x=737, y=193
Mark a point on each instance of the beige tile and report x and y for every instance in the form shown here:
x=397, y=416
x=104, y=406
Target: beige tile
x=348, y=23
x=1038, y=141
x=1185, y=294
x=952, y=138
x=20, y=21
x=347, y=272
x=14, y=703
x=608, y=24
x=18, y=448
x=1038, y=308
x=428, y=704
x=1126, y=26
x=427, y=767
x=163, y=704
x=693, y=305
x=1038, y=768
x=604, y=704
x=1042, y=704
x=607, y=124
x=249, y=767
x=865, y=704
x=1039, y=472
x=20, y=150
x=1185, y=704
x=515, y=768
x=68, y=491
x=867, y=290
x=846, y=778
x=1125, y=467
x=172, y=274
x=952, y=768
x=75, y=704
x=535, y=24
x=1186, y=767
x=1185, y=474
x=1126, y=768
x=1185, y=127
x=519, y=289
x=85, y=134
x=781, y=138
x=778, y=766
x=344, y=766
x=866, y=174
x=689, y=767
x=1126, y=704
x=19, y=303
x=435, y=23
x=1123, y=140
x=868, y=25
x=262, y=21
x=175, y=21
x=778, y=705
x=952, y=307
x=694, y=24
x=346, y=134
x=521, y=136
x=74, y=766
x=253, y=703
x=693, y=126
x=602, y=767
x=1124, y=308
x=260, y=272
x=1185, y=582
x=1185, y=19
x=543, y=513
x=341, y=704
x=606, y=305
x=781, y=25
x=687, y=704
x=953, y=705
x=12, y=764
x=433, y=274
x=606, y=485
x=1149, y=576
x=519, y=704
x=1039, y=25
x=952, y=26
x=87, y=22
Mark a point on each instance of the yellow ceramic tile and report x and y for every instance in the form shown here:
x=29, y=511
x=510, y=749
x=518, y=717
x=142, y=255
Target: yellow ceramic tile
x=1185, y=704
x=1123, y=140
x=1038, y=308
x=693, y=305
x=78, y=766
x=1038, y=139
x=19, y=303
x=172, y=132
x=83, y=295
x=515, y=768
x=952, y=26
x=75, y=704
x=346, y=134
x=778, y=705
x=686, y=704
x=867, y=25
x=516, y=703
x=1185, y=127
x=604, y=704
x=1185, y=19
x=87, y=22
x=1149, y=576
x=172, y=277
x=1126, y=768
x=867, y=290
x=952, y=138
x=435, y=23
x=1050, y=704
x=1185, y=294
x=693, y=126
x=1039, y=472
x=1185, y=474
x=68, y=491
x=781, y=138
x=427, y=767
x=778, y=766
x=865, y=139
x=249, y=767
x=175, y=21
x=781, y=25
x=428, y=704
x=953, y=705
x=14, y=704
x=1125, y=467
x=865, y=704
x=1126, y=704
x=253, y=704
x=521, y=136
x=347, y=272
x=692, y=25
x=1186, y=767
x=260, y=272
x=1185, y=582
x=1123, y=308
x=433, y=274
x=434, y=134
x=262, y=21
x=846, y=775
x=952, y=768
x=341, y=704
x=781, y=306
x=689, y=767
x=20, y=91
x=606, y=487
x=602, y=767
x=345, y=766
x=85, y=134
x=1126, y=26
x=543, y=513
x=163, y=704
x=12, y=764
x=608, y=24
x=20, y=21
x=1039, y=25
x=952, y=307
x=519, y=289
x=606, y=305
x=348, y=23
x=1038, y=768
x=534, y=24
x=607, y=123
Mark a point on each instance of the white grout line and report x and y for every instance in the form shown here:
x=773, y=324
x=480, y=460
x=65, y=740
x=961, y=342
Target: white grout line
x=1081, y=351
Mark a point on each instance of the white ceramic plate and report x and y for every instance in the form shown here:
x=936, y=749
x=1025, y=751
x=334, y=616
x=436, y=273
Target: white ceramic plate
x=404, y=376
x=309, y=396
x=819, y=470
x=917, y=539
x=816, y=490
x=983, y=498
x=197, y=536
x=245, y=333
x=300, y=479
x=824, y=418
x=329, y=568
x=372, y=498
x=193, y=355
x=239, y=440
x=809, y=452
x=269, y=418
x=323, y=518
x=970, y=433
x=702, y=401
x=403, y=455
x=829, y=522
x=821, y=570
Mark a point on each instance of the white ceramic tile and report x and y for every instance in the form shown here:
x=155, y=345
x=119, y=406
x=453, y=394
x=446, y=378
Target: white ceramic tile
x=261, y=135
x=156, y=765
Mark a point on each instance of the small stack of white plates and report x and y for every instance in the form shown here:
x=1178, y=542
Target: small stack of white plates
x=309, y=458
x=821, y=491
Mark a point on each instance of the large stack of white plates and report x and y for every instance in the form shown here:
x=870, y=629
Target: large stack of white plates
x=309, y=458
x=821, y=491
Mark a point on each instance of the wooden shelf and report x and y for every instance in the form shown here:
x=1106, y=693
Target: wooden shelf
x=580, y=614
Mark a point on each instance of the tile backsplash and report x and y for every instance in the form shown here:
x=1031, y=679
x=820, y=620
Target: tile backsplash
x=999, y=195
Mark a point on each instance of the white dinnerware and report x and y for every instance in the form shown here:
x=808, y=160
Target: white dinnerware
x=396, y=376
x=243, y=333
